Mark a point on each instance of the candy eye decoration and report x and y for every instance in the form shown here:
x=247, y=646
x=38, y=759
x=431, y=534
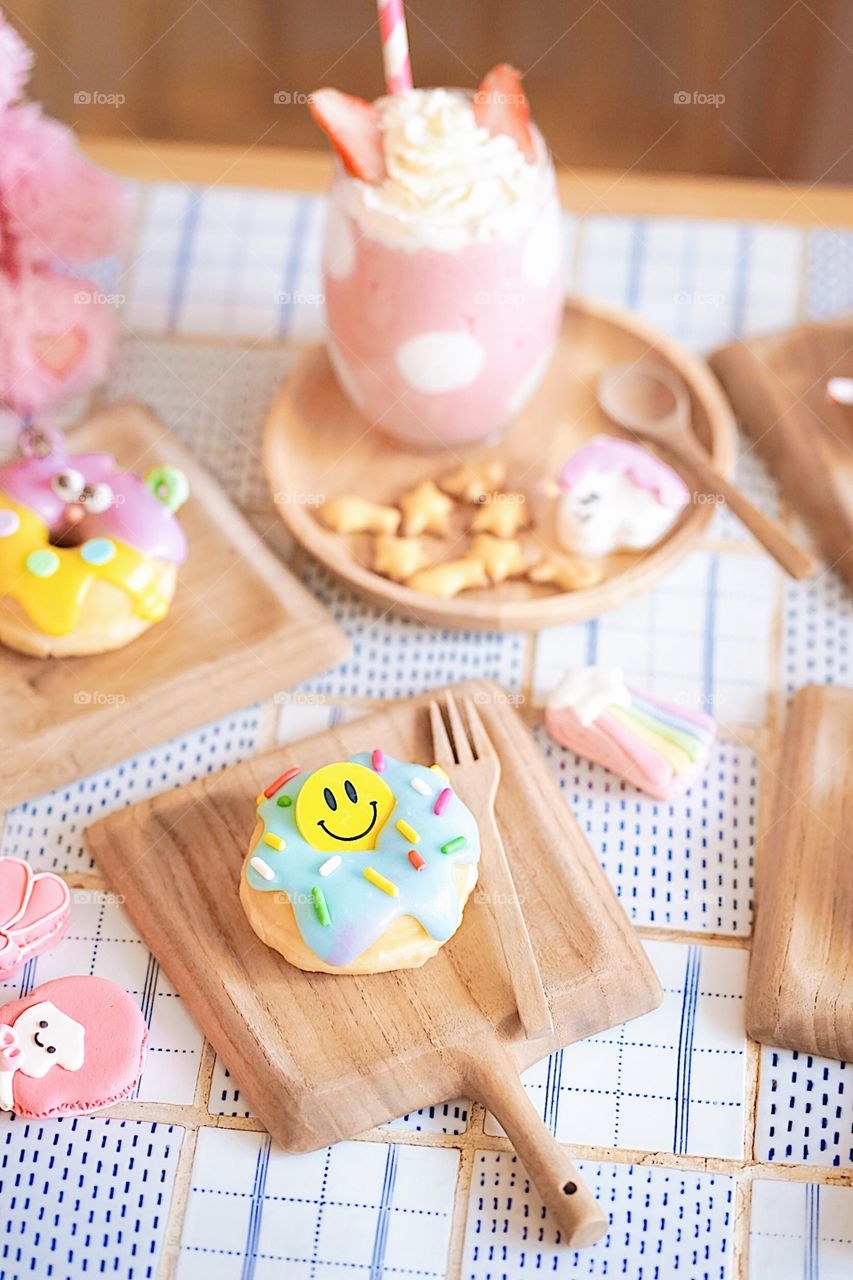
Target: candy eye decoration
x=68, y=484
x=342, y=808
x=97, y=498
x=169, y=485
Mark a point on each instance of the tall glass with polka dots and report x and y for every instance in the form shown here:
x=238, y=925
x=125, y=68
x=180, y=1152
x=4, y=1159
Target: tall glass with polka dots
x=443, y=283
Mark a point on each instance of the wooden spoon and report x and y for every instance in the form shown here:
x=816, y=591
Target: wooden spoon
x=650, y=401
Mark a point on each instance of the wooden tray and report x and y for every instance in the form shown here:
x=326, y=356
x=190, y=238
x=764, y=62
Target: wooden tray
x=800, y=993
x=321, y=1056
x=316, y=446
x=240, y=628
x=777, y=385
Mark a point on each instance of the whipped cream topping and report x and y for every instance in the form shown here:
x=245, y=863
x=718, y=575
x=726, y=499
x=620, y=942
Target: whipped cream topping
x=450, y=182
x=587, y=691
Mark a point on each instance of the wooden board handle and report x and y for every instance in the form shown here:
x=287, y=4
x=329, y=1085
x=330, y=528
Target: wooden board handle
x=494, y=1080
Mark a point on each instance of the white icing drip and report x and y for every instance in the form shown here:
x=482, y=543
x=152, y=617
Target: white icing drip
x=587, y=691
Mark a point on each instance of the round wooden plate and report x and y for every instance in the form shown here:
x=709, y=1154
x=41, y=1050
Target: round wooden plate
x=316, y=445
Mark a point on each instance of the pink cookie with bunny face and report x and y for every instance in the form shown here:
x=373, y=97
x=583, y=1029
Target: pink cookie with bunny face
x=71, y=1047
x=34, y=912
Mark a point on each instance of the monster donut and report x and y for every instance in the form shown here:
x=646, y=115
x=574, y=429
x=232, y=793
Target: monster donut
x=89, y=555
x=360, y=867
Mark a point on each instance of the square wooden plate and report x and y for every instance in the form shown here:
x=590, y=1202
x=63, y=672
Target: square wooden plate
x=240, y=628
x=320, y=1056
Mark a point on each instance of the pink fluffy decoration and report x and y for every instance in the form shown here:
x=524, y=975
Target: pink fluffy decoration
x=15, y=63
x=57, y=212
x=55, y=338
x=56, y=204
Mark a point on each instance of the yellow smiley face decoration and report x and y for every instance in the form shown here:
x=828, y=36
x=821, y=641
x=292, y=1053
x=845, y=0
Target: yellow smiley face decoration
x=343, y=807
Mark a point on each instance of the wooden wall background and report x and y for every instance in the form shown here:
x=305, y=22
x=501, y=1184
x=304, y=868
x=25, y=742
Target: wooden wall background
x=602, y=74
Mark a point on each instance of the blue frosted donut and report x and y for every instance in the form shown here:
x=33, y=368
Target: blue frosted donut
x=356, y=845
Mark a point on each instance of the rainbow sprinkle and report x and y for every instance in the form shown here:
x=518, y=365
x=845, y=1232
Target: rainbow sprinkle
x=321, y=906
x=454, y=845
x=443, y=801
x=387, y=886
x=284, y=802
x=263, y=868
x=377, y=759
x=330, y=865
x=274, y=841
x=420, y=786
x=436, y=768
x=270, y=791
x=261, y=798
x=408, y=832
x=416, y=860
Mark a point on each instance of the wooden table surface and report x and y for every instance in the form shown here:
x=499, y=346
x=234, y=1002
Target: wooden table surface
x=583, y=190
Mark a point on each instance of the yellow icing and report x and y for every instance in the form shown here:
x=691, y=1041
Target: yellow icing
x=679, y=759
x=53, y=603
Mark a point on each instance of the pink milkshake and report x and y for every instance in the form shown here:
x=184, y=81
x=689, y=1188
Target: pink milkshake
x=443, y=279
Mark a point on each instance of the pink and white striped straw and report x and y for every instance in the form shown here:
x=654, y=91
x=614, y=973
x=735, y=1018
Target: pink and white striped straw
x=395, y=45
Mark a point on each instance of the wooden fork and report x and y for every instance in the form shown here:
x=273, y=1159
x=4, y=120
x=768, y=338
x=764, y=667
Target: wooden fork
x=469, y=757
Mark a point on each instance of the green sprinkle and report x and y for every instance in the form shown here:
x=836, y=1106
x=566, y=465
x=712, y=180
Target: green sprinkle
x=318, y=897
x=454, y=845
x=284, y=802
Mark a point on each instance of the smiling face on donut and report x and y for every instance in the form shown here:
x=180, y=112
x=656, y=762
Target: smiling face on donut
x=342, y=808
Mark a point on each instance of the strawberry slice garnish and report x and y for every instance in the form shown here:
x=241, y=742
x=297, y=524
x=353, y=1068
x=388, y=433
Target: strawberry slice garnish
x=353, y=129
x=500, y=106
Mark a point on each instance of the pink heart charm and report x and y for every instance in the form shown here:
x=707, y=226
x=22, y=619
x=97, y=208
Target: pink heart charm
x=60, y=353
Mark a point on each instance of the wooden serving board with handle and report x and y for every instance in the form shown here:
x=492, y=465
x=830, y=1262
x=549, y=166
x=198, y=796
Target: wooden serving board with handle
x=322, y=1057
x=240, y=628
x=800, y=993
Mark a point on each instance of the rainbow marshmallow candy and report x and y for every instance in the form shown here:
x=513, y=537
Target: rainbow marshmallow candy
x=655, y=746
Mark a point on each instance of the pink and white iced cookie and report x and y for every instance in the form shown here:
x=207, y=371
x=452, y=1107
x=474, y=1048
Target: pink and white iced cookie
x=89, y=554
x=659, y=748
x=71, y=1047
x=34, y=912
x=616, y=496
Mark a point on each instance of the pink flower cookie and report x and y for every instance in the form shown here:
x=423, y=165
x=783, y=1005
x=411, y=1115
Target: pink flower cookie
x=616, y=496
x=659, y=748
x=34, y=911
x=71, y=1047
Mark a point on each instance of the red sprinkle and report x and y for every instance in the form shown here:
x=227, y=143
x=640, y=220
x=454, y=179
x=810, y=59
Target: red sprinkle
x=378, y=760
x=279, y=782
x=443, y=801
x=416, y=860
